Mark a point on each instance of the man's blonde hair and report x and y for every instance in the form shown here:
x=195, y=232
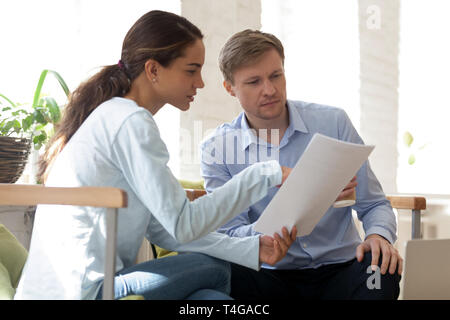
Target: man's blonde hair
x=245, y=47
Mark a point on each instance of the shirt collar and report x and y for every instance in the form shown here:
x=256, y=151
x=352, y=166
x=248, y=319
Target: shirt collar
x=296, y=123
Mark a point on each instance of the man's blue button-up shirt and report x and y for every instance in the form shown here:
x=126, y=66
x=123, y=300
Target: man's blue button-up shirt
x=234, y=146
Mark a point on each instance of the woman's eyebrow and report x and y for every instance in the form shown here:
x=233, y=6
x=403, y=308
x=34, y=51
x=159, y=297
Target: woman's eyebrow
x=195, y=64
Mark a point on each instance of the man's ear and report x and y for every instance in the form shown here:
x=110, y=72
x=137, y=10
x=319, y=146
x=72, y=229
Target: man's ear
x=227, y=85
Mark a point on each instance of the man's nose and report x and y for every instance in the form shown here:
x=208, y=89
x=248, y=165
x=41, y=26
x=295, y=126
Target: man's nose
x=268, y=87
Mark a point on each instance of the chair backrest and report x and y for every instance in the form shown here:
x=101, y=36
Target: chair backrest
x=106, y=197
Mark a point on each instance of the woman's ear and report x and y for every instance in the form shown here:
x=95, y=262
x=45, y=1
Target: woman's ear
x=151, y=70
x=228, y=86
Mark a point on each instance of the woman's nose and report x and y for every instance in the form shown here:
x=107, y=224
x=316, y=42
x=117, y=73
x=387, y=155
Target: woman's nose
x=199, y=83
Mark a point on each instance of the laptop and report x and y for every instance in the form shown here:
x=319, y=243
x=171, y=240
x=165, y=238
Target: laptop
x=427, y=270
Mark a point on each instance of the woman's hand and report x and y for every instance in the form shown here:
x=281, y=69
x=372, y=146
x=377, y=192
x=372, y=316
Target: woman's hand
x=272, y=250
x=285, y=173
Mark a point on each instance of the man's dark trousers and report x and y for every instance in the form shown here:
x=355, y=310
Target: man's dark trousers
x=348, y=280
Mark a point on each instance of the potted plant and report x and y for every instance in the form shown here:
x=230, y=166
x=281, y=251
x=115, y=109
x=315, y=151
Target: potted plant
x=23, y=125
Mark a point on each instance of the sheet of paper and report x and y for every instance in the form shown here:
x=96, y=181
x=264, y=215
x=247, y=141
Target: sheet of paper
x=325, y=168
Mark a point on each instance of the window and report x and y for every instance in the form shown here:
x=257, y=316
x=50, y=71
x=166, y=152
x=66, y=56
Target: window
x=424, y=108
x=321, y=45
x=74, y=38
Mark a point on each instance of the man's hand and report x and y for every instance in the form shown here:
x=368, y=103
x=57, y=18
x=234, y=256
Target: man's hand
x=391, y=257
x=272, y=250
x=348, y=190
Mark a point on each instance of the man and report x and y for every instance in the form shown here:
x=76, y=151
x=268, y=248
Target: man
x=331, y=262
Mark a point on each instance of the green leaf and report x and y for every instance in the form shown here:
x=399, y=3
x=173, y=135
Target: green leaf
x=39, y=116
x=10, y=102
x=17, y=126
x=7, y=127
x=61, y=82
x=39, y=140
x=411, y=159
x=27, y=122
x=37, y=92
x=408, y=138
x=39, y=127
x=53, y=108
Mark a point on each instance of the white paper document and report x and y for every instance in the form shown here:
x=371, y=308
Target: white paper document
x=325, y=168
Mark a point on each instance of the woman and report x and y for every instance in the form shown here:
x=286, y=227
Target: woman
x=108, y=137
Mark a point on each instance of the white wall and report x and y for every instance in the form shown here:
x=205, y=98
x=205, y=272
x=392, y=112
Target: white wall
x=217, y=20
x=379, y=42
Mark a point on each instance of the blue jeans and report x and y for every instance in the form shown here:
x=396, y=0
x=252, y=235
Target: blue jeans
x=192, y=276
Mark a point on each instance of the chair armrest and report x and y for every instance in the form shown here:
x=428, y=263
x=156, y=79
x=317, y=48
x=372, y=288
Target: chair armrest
x=415, y=204
x=107, y=197
x=408, y=202
x=28, y=195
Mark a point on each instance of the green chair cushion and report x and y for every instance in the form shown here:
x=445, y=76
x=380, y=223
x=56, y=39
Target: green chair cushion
x=187, y=184
x=12, y=259
x=6, y=289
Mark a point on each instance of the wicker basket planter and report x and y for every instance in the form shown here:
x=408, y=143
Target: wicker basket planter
x=13, y=158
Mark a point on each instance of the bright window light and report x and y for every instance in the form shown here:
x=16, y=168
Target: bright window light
x=424, y=96
x=74, y=38
x=321, y=43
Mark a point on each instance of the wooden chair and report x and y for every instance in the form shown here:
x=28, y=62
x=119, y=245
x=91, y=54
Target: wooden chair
x=106, y=197
x=416, y=205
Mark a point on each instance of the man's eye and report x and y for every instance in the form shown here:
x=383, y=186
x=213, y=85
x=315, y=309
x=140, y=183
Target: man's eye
x=253, y=82
x=191, y=71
